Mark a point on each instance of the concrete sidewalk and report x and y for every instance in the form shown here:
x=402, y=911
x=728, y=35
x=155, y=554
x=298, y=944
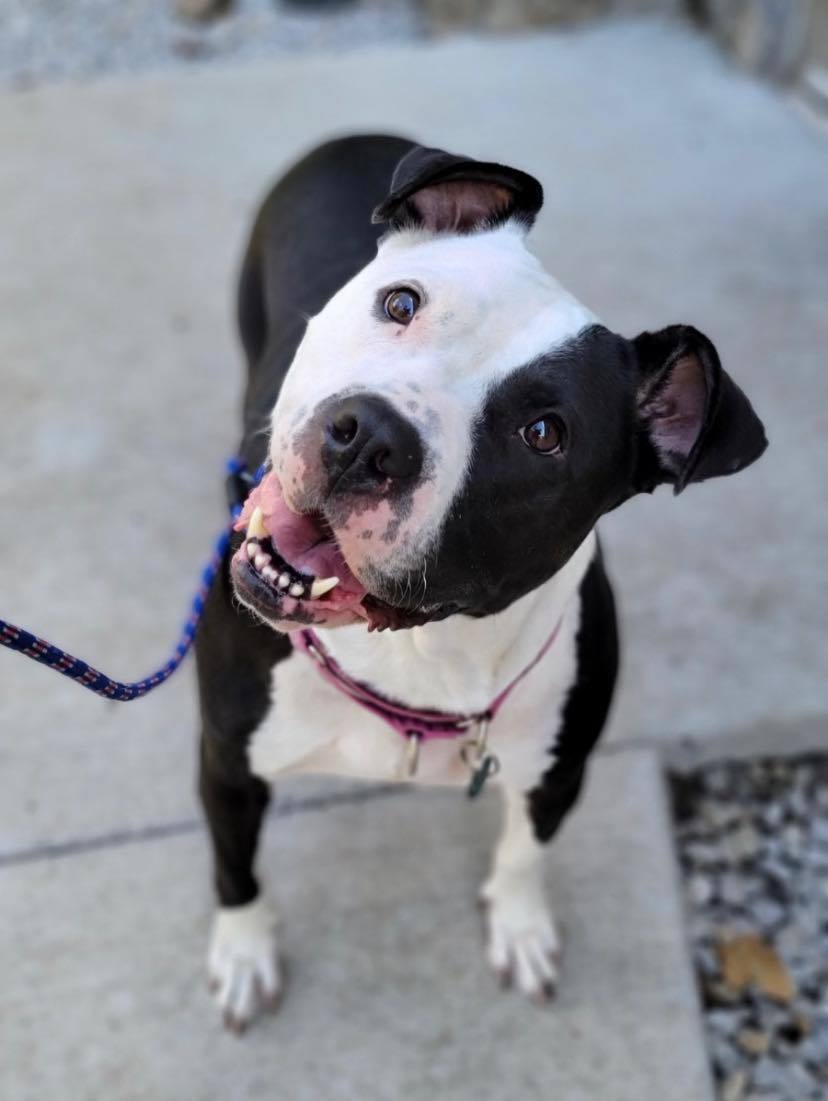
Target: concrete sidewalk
x=677, y=190
x=388, y=996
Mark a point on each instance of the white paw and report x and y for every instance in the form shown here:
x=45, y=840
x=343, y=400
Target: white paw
x=522, y=945
x=243, y=963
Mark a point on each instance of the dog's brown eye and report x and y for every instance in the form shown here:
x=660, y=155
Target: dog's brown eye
x=401, y=305
x=545, y=435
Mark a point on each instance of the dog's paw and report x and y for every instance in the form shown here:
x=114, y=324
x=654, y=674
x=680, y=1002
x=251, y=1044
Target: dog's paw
x=523, y=946
x=243, y=962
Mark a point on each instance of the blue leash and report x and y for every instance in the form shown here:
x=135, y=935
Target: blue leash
x=38, y=649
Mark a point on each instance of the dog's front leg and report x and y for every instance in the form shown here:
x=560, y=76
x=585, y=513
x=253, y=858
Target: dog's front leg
x=523, y=946
x=242, y=961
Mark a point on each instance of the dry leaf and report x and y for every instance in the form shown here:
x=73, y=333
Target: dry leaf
x=748, y=959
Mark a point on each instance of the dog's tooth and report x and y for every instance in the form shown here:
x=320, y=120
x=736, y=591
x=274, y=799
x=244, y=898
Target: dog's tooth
x=284, y=580
x=261, y=561
x=269, y=573
x=319, y=588
x=255, y=526
x=252, y=550
x=297, y=588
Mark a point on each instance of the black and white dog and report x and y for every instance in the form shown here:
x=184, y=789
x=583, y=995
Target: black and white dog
x=443, y=426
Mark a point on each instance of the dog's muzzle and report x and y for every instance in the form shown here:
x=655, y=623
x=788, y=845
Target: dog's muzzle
x=345, y=481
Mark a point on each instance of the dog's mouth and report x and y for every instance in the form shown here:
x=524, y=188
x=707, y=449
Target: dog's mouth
x=291, y=571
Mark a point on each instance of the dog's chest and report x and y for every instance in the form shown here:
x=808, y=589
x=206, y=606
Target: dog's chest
x=313, y=728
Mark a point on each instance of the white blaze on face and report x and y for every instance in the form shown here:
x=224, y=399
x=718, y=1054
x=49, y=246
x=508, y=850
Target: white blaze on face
x=487, y=307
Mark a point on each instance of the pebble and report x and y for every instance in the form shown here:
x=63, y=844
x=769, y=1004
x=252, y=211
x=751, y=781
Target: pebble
x=819, y=1040
x=725, y=1056
x=771, y=816
x=753, y=845
x=743, y=843
x=725, y=1021
x=700, y=889
x=733, y=1088
x=42, y=42
x=793, y=838
x=732, y=889
x=768, y=913
x=768, y=1074
x=702, y=854
x=717, y=780
x=717, y=815
x=753, y=1041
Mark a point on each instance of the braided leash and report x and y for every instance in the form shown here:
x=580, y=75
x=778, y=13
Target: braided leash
x=38, y=649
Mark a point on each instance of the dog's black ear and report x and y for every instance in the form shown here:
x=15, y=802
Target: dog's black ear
x=445, y=193
x=694, y=421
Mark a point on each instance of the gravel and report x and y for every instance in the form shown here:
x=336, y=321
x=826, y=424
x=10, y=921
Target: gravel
x=753, y=846
x=56, y=40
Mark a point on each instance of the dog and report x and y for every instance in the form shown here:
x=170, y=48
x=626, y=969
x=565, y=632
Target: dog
x=441, y=425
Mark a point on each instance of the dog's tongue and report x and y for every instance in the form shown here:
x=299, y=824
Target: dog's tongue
x=301, y=542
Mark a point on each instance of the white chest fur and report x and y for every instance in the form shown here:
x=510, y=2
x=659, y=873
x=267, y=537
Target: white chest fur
x=456, y=665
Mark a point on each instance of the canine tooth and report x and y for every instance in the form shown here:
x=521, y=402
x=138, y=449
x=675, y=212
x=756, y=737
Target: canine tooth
x=319, y=588
x=284, y=580
x=261, y=561
x=296, y=589
x=255, y=526
x=252, y=550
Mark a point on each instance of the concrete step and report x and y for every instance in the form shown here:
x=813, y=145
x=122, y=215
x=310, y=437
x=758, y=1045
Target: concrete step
x=388, y=994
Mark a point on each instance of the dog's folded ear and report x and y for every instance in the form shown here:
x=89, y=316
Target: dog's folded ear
x=694, y=421
x=445, y=193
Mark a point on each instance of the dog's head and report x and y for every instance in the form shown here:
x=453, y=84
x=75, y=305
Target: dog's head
x=454, y=422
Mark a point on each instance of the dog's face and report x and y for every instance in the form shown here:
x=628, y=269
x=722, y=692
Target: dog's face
x=454, y=422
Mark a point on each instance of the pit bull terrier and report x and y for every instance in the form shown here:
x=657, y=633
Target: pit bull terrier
x=416, y=590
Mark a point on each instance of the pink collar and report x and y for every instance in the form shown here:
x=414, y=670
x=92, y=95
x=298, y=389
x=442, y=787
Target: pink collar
x=421, y=726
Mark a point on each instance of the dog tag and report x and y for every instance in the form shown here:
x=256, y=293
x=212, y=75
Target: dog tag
x=411, y=759
x=487, y=766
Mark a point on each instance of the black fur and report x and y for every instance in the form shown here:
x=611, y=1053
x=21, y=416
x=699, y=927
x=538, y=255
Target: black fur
x=520, y=515
x=586, y=708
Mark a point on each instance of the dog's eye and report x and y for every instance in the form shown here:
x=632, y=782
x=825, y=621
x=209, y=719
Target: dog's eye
x=401, y=305
x=545, y=435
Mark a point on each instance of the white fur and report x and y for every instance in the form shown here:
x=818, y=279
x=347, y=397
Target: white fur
x=458, y=664
x=523, y=944
x=242, y=961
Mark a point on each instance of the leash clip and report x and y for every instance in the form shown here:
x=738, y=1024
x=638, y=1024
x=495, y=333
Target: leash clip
x=482, y=764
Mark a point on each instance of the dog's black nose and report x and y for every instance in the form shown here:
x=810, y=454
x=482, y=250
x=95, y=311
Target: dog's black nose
x=366, y=442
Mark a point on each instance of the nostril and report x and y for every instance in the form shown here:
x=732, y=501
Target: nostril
x=343, y=428
x=395, y=462
x=382, y=461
